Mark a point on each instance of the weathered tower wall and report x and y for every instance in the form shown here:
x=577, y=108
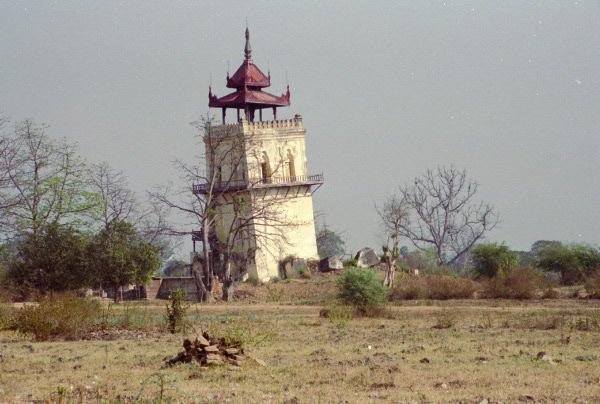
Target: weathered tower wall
x=264, y=164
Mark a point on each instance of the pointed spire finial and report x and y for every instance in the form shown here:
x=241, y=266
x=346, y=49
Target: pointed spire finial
x=248, y=49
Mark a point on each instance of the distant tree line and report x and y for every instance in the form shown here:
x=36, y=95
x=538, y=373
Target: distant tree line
x=572, y=263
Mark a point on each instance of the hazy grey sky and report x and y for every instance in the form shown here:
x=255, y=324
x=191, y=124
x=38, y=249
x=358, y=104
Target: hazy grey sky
x=509, y=90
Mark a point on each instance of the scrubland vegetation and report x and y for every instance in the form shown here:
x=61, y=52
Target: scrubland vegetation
x=318, y=342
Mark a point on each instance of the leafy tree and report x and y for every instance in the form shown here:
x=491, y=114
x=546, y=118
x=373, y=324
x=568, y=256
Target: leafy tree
x=177, y=268
x=116, y=201
x=43, y=181
x=538, y=246
x=529, y=258
x=118, y=257
x=52, y=260
x=444, y=215
x=8, y=198
x=329, y=242
x=491, y=259
x=573, y=262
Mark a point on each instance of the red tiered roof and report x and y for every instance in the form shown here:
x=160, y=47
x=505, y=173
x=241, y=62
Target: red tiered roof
x=248, y=80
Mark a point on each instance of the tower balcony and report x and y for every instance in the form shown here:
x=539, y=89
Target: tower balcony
x=258, y=183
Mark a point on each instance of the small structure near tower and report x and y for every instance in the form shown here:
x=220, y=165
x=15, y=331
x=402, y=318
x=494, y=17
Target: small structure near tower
x=260, y=186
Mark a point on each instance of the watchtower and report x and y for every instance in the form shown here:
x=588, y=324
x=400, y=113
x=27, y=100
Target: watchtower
x=260, y=176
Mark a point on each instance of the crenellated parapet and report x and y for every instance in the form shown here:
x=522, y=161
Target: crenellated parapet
x=244, y=126
x=296, y=122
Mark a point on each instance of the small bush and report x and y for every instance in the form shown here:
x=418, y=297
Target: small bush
x=339, y=315
x=445, y=319
x=274, y=294
x=59, y=318
x=361, y=289
x=304, y=273
x=518, y=283
x=435, y=287
x=254, y=281
x=243, y=332
x=592, y=285
x=547, y=285
x=550, y=293
x=352, y=262
x=176, y=311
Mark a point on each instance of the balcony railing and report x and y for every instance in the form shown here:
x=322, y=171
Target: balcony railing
x=237, y=185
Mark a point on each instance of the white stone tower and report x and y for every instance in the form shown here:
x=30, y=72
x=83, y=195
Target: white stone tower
x=260, y=178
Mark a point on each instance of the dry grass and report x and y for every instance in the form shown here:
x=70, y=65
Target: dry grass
x=435, y=287
x=485, y=349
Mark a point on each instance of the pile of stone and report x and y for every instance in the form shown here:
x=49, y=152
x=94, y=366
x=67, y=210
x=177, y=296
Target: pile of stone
x=208, y=350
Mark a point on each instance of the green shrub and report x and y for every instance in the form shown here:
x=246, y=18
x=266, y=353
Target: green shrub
x=351, y=263
x=176, y=311
x=57, y=318
x=490, y=259
x=304, y=273
x=518, y=283
x=361, y=289
x=435, y=287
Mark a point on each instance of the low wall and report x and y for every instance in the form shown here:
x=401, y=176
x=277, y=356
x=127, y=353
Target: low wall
x=161, y=288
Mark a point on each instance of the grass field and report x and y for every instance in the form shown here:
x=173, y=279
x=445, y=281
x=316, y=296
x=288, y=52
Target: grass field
x=452, y=351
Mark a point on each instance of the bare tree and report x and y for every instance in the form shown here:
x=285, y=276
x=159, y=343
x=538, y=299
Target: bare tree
x=116, y=201
x=220, y=190
x=44, y=180
x=258, y=224
x=8, y=198
x=444, y=215
x=393, y=215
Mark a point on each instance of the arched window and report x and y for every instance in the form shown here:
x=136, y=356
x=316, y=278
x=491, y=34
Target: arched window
x=265, y=168
x=291, y=168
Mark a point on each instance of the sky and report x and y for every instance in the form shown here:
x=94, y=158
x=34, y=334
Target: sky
x=508, y=90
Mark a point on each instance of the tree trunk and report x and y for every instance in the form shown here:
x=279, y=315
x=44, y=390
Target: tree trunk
x=203, y=294
x=390, y=258
x=205, y=280
x=228, y=287
x=390, y=269
x=116, y=297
